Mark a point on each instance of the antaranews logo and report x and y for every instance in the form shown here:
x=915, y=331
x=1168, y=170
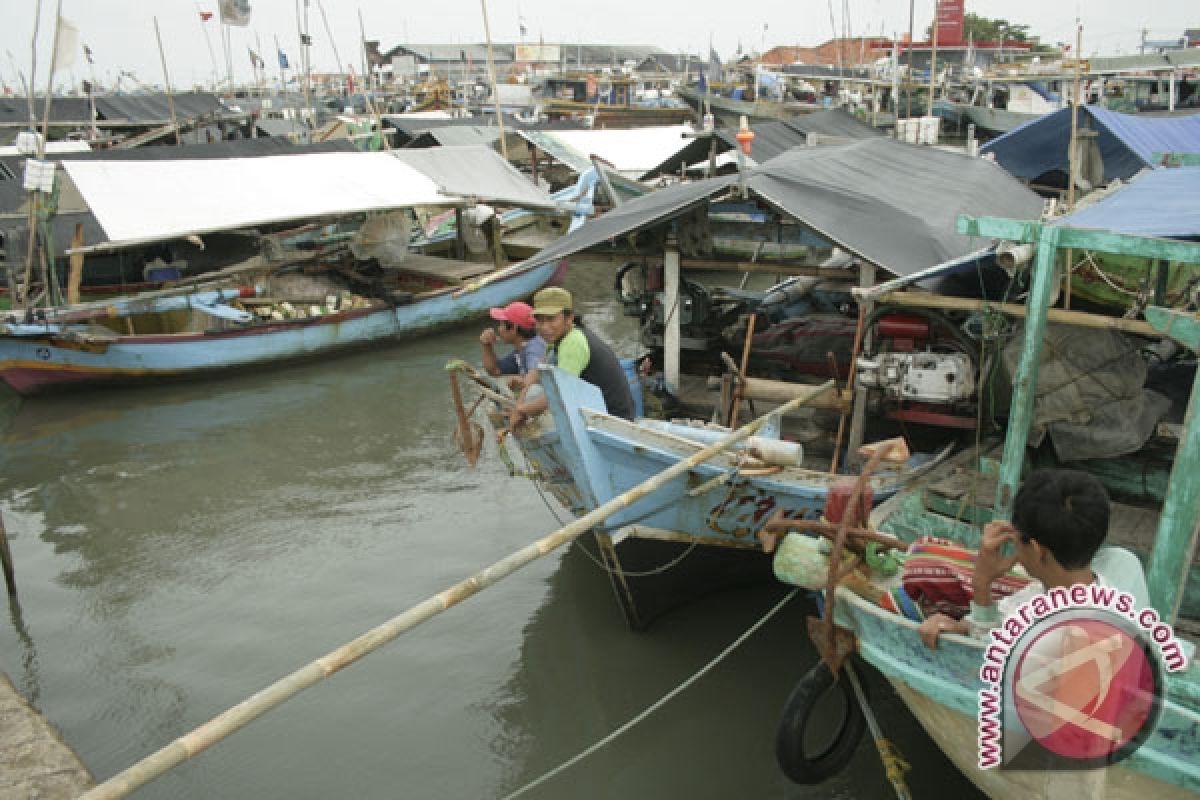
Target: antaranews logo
x=1073, y=679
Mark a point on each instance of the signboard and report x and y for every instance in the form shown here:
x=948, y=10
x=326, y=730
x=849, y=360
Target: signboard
x=950, y=21
x=537, y=52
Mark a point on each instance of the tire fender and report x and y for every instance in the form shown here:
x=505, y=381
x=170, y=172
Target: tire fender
x=799, y=714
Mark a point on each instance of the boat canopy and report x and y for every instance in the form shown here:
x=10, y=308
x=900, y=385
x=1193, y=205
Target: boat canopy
x=138, y=202
x=1161, y=202
x=476, y=171
x=1128, y=142
x=772, y=138
x=892, y=204
x=633, y=153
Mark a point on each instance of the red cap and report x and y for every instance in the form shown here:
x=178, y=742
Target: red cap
x=518, y=313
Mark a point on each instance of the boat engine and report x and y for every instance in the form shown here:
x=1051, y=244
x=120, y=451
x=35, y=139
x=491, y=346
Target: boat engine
x=701, y=321
x=923, y=369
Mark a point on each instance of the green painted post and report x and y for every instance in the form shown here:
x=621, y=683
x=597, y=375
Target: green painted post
x=1025, y=385
x=1177, y=525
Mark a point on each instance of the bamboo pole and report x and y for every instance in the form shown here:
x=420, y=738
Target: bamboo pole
x=1079, y=318
x=740, y=389
x=250, y=709
x=167, y=83
x=487, y=31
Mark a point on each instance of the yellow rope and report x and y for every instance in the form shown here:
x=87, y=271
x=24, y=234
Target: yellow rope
x=894, y=765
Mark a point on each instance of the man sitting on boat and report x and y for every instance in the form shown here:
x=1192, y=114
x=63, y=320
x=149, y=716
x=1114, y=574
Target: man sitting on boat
x=572, y=347
x=518, y=329
x=1060, y=520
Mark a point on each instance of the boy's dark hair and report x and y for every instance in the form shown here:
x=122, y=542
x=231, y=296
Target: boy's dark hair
x=1066, y=511
x=526, y=333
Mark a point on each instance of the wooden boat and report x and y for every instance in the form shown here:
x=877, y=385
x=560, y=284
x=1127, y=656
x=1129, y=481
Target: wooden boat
x=607, y=101
x=314, y=289
x=943, y=687
x=584, y=457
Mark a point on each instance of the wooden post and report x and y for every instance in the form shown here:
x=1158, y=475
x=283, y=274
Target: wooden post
x=739, y=391
x=858, y=417
x=6, y=561
x=75, y=275
x=671, y=322
x=250, y=709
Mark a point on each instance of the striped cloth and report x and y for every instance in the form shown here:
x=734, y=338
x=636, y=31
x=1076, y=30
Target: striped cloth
x=937, y=578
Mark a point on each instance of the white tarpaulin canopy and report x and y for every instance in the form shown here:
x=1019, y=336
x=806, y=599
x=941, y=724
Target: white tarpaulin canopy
x=476, y=171
x=632, y=152
x=144, y=201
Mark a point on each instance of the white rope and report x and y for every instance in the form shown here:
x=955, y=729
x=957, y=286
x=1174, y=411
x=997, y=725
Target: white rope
x=661, y=702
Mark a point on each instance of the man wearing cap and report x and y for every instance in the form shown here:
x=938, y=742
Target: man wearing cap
x=573, y=348
x=517, y=329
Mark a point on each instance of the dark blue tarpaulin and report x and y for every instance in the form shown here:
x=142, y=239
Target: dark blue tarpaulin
x=1163, y=202
x=1127, y=142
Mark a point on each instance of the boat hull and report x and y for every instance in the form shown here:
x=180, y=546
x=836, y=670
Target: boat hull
x=36, y=364
x=941, y=689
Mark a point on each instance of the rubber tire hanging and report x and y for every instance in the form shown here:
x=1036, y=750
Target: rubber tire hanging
x=798, y=714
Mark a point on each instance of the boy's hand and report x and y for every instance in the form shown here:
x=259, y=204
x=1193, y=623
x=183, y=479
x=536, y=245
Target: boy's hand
x=991, y=562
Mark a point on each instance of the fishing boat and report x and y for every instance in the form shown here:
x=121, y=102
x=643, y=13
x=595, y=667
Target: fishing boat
x=348, y=279
x=1154, y=518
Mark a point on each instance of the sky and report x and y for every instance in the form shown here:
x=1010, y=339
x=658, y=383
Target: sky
x=121, y=36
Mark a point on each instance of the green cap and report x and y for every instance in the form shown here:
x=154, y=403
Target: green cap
x=550, y=301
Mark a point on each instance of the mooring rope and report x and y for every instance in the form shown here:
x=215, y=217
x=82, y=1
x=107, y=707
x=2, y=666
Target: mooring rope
x=894, y=765
x=657, y=705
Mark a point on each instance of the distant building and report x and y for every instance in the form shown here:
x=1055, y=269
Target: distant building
x=469, y=61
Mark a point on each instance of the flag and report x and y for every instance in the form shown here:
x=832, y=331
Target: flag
x=66, y=41
x=702, y=87
x=305, y=39
x=205, y=16
x=255, y=61
x=283, y=62
x=87, y=53
x=235, y=12
x=521, y=24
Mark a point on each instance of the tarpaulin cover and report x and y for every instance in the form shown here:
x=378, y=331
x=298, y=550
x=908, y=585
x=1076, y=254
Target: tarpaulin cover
x=1090, y=396
x=1161, y=202
x=633, y=152
x=476, y=171
x=1127, y=142
x=893, y=204
x=139, y=201
x=771, y=138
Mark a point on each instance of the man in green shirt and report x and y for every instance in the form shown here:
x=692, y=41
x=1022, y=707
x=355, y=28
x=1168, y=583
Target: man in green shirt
x=572, y=347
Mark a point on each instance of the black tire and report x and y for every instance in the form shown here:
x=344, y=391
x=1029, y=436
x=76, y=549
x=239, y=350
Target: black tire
x=799, y=713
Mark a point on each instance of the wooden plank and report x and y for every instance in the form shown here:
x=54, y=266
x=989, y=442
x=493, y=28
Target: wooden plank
x=1080, y=239
x=75, y=271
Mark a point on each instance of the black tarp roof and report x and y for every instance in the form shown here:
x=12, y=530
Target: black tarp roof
x=773, y=138
x=132, y=109
x=890, y=203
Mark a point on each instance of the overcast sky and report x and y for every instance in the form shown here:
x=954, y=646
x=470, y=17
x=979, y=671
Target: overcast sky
x=120, y=33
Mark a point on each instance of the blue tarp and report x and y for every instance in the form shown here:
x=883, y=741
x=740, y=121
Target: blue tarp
x=1127, y=142
x=1163, y=202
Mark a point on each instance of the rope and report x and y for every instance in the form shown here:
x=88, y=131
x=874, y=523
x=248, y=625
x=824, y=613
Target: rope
x=657, y=705
x=894, y=765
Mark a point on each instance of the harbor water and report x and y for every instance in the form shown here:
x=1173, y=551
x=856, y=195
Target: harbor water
x=179, y=548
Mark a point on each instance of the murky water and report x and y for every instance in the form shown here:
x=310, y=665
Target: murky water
x=179, y=548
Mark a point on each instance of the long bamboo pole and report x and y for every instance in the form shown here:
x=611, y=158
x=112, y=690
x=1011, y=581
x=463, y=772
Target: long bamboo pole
x=250, y=709
x=167, y=83
x=487, y=32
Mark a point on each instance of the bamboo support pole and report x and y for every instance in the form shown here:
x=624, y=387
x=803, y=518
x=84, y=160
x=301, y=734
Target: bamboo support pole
x=740, y=389
x=253, y=707
x=167, y=84
x=487, y=30
x=1079, y=318
x=75, y=273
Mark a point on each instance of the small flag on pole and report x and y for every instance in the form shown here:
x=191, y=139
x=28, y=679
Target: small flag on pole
x=255, y=61
x=87, y=53
x=283, y=62
x=205, y=16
